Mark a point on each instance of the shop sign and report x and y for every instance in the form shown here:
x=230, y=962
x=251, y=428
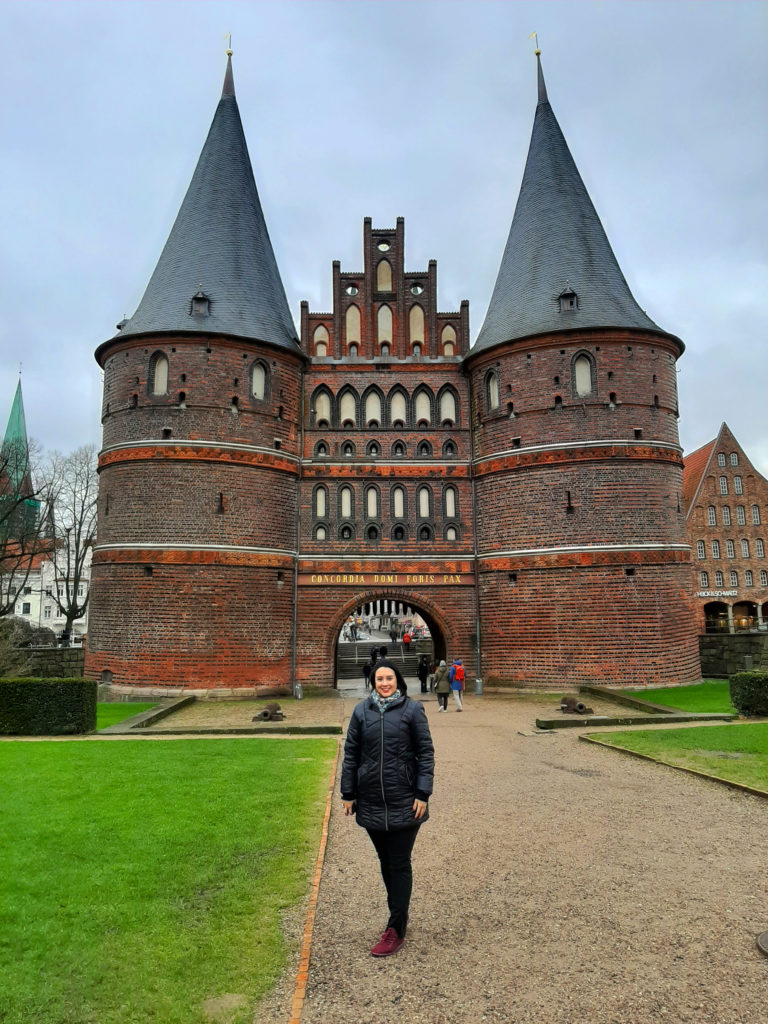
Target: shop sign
x=717, y=593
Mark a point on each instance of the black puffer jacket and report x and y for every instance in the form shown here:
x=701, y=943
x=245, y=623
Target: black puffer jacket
x=389, y=760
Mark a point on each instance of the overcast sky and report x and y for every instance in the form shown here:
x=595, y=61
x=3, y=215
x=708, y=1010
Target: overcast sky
x=383, y=109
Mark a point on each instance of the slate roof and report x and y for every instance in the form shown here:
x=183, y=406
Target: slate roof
x=220, y=246
x=556, y=243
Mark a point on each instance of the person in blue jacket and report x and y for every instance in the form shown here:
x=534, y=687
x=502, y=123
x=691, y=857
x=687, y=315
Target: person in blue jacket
x=456, y=679
x=386, y=780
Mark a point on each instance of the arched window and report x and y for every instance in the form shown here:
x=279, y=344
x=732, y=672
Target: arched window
x=398, y=502
x=372, y=503
x=447, y=407
x=398, y=413
x=449, y=502
x=353, y=325
x=398, y=533
x=372, y=408
x=346, y=532
x=347, y=449
x=321, y=533
x=353, y=351
x=448, y=338
x=425, y=533
x=321, y=450
x=424, y=498
x=384, y=325
x=372, y=533
x=582, y=375
x=347, y=409
x=424, y=449
x=383, y=276
x=451, y=533
x=322, y=409
x=321, y=341
x=158, y=374
x=373, y=449
x=345, y=503
x=423, y=408
x=321, y=503
x=492, y=389
x=398, y=449
x=416, y=324
x=756, y=515
x=449, y=449
x=741, y=516
x=704, y=580
x=259, y=381
x=701, y=551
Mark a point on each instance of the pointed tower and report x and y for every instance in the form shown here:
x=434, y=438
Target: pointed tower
x=19, y=509
x=192, y=574
x=584, y=570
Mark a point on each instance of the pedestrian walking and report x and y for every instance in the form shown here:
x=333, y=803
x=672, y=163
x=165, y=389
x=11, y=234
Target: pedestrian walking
x=422, y=671
x=386, y=780
x=456, y=680
x=442, y=686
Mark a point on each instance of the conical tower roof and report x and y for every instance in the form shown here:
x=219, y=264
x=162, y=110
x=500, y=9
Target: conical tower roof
x=219, y=250
x=15, y=461
x=556, y=245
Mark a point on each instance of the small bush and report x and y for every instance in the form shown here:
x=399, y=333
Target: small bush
x=47, y=707
x=749, y=693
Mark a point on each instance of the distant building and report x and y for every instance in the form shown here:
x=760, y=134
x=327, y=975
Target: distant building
x=36, y=597
x=258, y=485
x=726, y=511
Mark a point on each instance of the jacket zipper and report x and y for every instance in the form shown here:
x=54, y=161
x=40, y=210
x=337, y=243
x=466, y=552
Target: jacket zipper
x=381, y=773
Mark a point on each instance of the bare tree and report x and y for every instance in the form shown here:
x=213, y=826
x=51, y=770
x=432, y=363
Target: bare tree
x=23, y=518
x=71, y=492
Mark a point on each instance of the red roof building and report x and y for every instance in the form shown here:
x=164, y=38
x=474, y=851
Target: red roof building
x=726, y=509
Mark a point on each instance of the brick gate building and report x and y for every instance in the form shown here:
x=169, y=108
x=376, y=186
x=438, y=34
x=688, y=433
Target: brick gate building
x=523, y=495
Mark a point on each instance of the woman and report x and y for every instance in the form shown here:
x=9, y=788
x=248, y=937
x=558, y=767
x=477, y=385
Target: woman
x=386, y=779
x=442, y=687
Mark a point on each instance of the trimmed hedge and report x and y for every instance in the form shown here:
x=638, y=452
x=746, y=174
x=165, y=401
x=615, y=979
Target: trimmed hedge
x=749, y=693
x=47, y=707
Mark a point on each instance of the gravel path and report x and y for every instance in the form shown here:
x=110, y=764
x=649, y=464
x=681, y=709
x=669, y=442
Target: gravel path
x=555, y=883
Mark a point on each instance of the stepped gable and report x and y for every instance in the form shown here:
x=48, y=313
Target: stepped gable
x=556, y=245
x=219, y=250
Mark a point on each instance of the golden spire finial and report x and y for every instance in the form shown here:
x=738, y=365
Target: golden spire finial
x=534, y=35
x=228, y=37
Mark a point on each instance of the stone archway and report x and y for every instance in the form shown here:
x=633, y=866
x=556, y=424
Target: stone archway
x=436, y=647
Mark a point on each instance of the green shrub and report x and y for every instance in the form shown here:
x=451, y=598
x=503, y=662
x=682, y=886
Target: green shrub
x=47, y=707
x=749, y=693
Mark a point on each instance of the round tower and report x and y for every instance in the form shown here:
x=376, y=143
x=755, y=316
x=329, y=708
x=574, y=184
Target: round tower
x=193, y=572
x=584, y=571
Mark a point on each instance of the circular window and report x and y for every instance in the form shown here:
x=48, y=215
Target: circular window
x=383, y=246
x=416, y=288
x=351, y=289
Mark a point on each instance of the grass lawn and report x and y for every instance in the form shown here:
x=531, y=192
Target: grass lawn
x=710, y=696
x=737, y=752
x=142, y=878
x=110, y=713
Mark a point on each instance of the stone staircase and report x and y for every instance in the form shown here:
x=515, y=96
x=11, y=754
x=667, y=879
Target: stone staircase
x=352, y=656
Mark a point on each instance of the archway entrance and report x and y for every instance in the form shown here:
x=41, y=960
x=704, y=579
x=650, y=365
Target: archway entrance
x=407, y=629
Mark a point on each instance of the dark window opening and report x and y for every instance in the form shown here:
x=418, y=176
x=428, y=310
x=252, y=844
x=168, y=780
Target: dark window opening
x=638, y=433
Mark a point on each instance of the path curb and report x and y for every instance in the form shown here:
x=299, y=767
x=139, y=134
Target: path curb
x=302, y=975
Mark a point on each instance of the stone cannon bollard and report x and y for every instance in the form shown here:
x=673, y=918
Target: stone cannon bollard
x=271, y=712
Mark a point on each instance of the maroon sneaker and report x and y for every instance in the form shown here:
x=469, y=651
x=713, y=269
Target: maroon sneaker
x=388, y=944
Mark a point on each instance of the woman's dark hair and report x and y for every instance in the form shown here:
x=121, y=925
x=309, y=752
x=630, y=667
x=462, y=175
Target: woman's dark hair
x=386, y=663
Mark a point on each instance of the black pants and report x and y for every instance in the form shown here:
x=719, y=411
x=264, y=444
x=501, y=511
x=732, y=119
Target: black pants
x=442, y=700
x=394, y=850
